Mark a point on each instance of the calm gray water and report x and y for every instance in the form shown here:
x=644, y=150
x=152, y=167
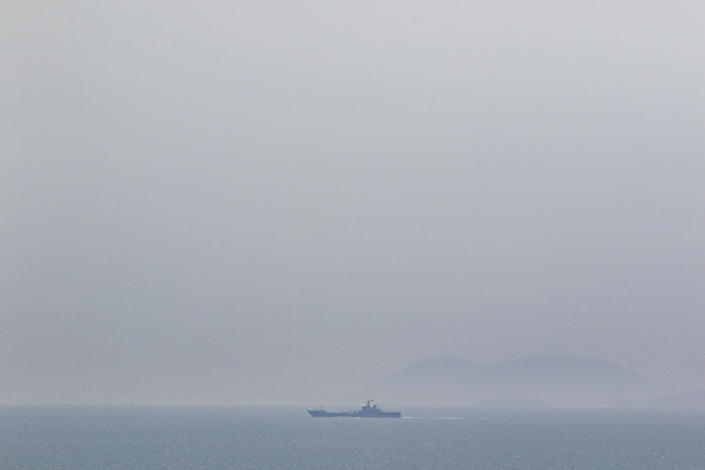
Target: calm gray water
x=249, y=438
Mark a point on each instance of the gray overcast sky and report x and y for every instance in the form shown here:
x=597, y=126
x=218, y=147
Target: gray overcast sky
x=268, y=196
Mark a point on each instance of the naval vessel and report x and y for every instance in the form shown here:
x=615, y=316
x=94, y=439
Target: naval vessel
x=370, y=410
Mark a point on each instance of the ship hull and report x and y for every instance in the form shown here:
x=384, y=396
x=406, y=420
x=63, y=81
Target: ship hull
x=368, y=411
x=353, y=414
x=326, y=414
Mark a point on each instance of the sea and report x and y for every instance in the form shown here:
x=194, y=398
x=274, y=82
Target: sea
x=144, y=438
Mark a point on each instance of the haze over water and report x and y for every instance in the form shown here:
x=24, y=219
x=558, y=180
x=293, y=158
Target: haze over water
x=265, y=203
x=256, y=202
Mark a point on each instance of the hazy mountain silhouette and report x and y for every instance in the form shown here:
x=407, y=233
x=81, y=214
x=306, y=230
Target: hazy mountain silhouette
x=552, y=380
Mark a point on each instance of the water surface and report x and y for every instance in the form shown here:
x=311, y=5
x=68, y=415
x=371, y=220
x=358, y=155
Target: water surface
x=283, y=438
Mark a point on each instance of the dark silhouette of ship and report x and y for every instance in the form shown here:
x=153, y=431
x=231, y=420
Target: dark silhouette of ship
x=367, y=411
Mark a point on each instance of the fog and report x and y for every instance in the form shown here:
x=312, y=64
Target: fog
x=272, y=202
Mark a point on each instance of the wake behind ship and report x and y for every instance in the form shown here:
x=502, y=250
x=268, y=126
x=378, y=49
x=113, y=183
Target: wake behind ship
x=367, y=411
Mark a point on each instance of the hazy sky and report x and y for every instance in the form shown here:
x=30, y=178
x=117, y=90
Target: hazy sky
x=269, y=196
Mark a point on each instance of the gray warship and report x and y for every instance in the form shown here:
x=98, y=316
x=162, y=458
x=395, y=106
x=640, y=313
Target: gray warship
x=370, y=410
